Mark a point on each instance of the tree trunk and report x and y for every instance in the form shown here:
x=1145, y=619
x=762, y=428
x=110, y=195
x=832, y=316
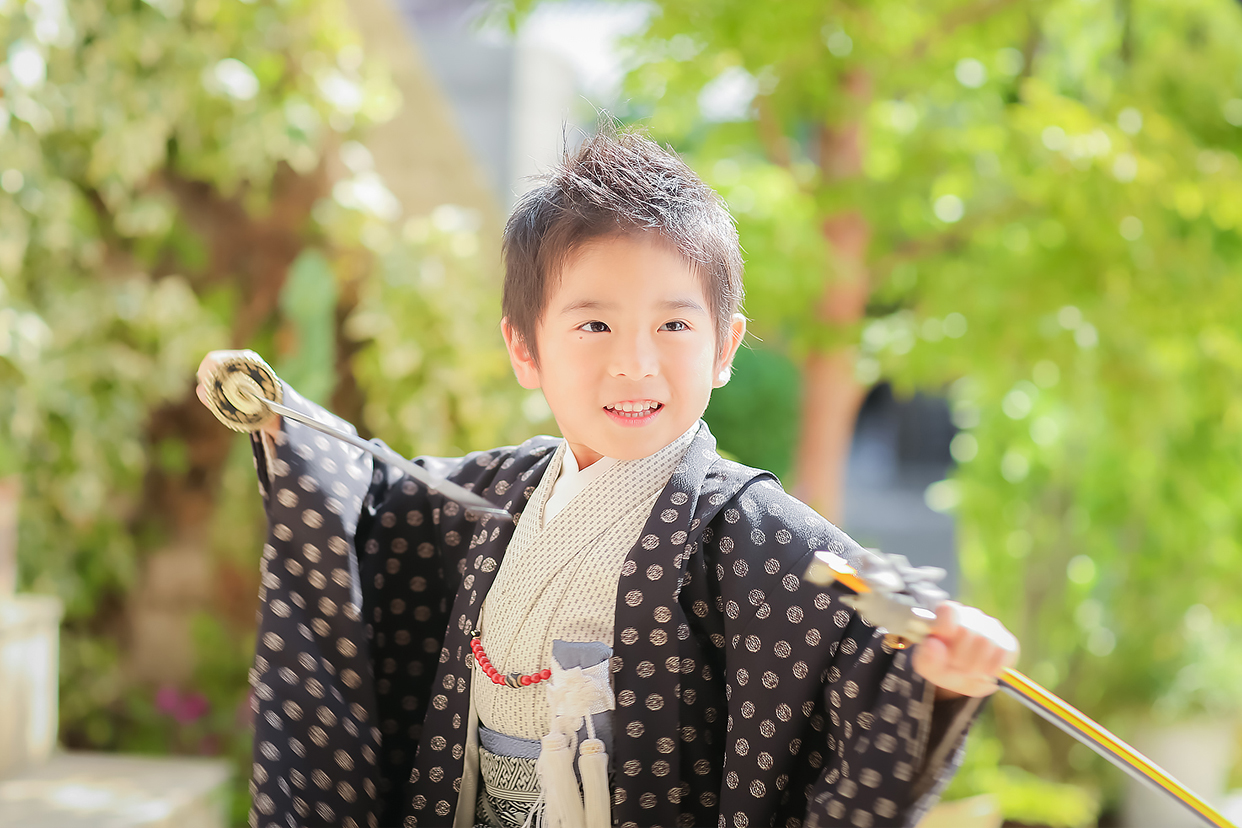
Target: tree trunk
x=831, y=395
x=10, y=497
x=182, y=576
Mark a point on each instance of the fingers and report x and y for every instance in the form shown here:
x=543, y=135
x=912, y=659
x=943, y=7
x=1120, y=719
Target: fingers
x=966, y=651
x=996, y=661
x=972, y=653
x=946, y=626
x=931, y=657
x=205, y=369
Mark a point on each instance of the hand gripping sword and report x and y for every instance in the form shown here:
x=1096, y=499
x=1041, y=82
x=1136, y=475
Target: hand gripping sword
x=245, y=394
x=900, y=599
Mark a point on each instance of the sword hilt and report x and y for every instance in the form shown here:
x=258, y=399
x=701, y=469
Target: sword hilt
x=239, y=388
x=888, y=592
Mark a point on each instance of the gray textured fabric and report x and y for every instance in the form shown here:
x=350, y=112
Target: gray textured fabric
x=570, y=654
x=506, y=799
x=503, y=745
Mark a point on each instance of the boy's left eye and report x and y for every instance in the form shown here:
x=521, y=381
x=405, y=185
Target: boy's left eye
x=675, y=325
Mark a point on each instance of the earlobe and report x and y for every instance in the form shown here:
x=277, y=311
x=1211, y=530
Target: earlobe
x=520, y=357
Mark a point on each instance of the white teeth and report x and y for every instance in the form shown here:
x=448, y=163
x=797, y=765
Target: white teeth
x=633, y=408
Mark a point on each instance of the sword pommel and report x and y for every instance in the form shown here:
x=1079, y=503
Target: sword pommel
x=238, y=390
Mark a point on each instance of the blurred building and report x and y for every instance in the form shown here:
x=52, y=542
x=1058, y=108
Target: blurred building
x=520, y=99
x=900, y=448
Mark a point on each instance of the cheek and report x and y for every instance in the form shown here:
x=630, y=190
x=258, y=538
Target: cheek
x=705, y=352
x=573, y=367
x=696, y=361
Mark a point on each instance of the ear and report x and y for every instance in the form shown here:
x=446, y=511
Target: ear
x=520, y=356
x=724, y=368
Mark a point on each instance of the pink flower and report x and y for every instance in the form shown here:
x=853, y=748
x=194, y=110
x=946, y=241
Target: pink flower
x=194, y=706
x=185, y=708
x=167, y=700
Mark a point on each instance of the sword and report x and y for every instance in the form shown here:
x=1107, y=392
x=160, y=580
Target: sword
x=892, y=595
x=245, y=394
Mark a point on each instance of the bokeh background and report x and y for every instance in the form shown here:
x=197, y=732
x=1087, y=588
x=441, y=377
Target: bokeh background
x=993, y=277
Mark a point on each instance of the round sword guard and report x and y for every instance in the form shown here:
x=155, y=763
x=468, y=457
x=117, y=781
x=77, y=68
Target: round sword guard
x=237, y=390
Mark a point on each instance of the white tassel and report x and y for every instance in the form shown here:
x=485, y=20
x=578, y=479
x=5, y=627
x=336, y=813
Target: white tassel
x=593, y=765
x=560, y=786
x=574, y=696
x=536, y=809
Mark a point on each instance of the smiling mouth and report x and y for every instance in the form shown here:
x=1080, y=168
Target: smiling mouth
x=634, y=410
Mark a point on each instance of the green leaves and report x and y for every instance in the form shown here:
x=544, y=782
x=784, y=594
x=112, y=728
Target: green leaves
x=430, y=357
x=162, y=165
x=308, y=303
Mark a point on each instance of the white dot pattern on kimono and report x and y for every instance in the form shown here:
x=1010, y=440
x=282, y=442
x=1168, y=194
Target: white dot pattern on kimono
x=299, y=653
x=681, y=713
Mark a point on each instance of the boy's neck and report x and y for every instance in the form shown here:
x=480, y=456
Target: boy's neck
x=584, y=455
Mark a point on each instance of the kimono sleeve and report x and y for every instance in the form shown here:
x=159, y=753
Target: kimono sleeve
x=358, y=572
x=316, y=740
x=825, y=720
x=351, y=620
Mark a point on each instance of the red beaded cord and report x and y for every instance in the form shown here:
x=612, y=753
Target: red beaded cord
x=509, y=680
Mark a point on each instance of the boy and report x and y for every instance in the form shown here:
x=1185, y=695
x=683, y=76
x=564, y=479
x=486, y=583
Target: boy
x=655, y=587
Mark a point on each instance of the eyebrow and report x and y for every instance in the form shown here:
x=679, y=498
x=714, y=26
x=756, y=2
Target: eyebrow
x=668, y=304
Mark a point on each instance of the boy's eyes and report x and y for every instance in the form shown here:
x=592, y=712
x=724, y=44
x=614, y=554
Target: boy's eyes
x=595, y=326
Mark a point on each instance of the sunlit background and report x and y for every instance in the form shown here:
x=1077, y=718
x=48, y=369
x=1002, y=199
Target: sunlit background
x=993, y=262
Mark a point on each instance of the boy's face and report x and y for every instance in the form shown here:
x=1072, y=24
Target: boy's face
x=627, y=349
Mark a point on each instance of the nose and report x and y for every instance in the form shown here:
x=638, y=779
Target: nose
x=634, y=357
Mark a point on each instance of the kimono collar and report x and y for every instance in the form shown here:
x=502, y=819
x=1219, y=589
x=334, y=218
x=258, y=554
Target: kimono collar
x=570, y=481
x=573, y=480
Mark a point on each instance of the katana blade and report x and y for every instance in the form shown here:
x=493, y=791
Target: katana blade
x=1077, y=724
x=447, y=488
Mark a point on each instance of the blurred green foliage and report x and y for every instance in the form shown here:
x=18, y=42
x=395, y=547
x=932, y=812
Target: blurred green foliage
x=449, y=389
x=1024, y=798
x=1053, y=191
x=178, y=176
x=755, y=416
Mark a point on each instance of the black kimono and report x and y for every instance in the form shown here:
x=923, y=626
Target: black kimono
x=745, y=697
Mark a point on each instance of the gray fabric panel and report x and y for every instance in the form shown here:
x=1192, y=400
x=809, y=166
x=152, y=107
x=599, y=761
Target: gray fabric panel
x=584, y=654
x=504, y=745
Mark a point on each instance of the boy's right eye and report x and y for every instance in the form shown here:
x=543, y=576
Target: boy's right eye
x=593, y=327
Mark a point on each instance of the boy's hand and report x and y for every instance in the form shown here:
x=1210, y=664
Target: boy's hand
x=965, y=652
x=207, y=366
